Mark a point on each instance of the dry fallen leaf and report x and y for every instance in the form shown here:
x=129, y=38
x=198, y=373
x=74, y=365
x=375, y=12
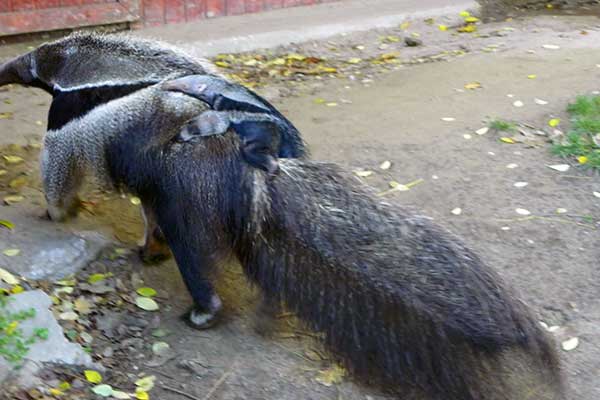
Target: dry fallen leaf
x=540, y=102
x=13, y=159
x=11, y=252
x=507, y=140
x=363, y=174
x=560, y=167
x=145, y=384
x=13, y=199
x=103, y=390
x=570, y=344
x=160, y=348
x=146, y=303
x=482, y=131
x=68, y=316
x=8, y=277
x=473, y=85
x=385, y=165
x=467, y=136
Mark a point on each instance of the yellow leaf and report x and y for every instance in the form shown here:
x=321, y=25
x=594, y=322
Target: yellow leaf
x=471, y=19
x=331, y=104
x=465, y=14
x=8, y=277
x=319, y=101
x=135, y=201
x=355, y=60
x=389, y=56
x=473, y=85
x=55, y=392
x=7, y=224
x=141, y=395
x=554, y=122
x=64, y=385
x=13, y=199
x=92, y=376
x=251, y=63
x=507, y=140
x=329, y=69
x=13, y=159
x=6, y=115
x=17, y=289
x=11, y=252
x=146, y=292
x=222, y=64
x=467, y=28
x=405, y=25
x=98, y=277
x=18, y=183
x=532, y=76
x=278, y=61
x=12, y=327
x=581, y=159
x=145, y=384
x=443, y=28
x=296, y=57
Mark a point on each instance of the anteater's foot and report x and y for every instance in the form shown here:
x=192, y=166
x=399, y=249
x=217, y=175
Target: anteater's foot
x=154, y=253
x=155, y=250
x=200, y=318
x=60, y=213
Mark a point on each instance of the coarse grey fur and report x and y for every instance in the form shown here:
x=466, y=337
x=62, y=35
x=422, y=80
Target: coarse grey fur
x=400, y=301
x=90, y=60
x=86, y=69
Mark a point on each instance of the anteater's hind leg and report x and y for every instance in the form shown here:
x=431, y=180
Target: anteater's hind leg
x=155, y=248
x=196, y=260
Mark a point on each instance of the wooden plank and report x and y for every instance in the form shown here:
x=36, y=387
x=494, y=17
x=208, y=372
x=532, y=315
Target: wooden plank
x=68, y=17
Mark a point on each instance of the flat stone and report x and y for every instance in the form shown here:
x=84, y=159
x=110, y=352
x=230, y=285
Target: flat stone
x=48, y=250
x=56, y=349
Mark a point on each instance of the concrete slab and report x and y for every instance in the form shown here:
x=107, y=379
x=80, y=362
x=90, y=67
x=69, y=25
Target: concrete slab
x=298, y=24
x=55, y=349
x=48, y=250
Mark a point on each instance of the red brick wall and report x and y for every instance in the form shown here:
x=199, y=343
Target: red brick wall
x=26, y=16
x=159, y=12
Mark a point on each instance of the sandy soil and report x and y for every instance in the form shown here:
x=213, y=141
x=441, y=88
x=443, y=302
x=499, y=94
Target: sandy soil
x=397, y=116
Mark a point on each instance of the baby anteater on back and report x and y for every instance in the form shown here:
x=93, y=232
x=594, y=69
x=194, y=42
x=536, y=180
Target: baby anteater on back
x=398, y=300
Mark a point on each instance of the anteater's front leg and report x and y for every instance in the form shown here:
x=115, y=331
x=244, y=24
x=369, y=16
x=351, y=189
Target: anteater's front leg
x=61, y=175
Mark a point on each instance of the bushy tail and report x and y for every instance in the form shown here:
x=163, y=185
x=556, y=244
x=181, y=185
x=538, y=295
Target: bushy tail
x=382, y=336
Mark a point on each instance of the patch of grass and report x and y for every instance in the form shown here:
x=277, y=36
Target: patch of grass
x=583, y=140
x=13, y=344
x=502, y=126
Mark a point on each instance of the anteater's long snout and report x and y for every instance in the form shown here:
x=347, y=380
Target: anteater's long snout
x=18, y=70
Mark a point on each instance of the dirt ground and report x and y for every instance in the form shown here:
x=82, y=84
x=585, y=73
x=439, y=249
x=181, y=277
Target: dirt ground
x=395, y=115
